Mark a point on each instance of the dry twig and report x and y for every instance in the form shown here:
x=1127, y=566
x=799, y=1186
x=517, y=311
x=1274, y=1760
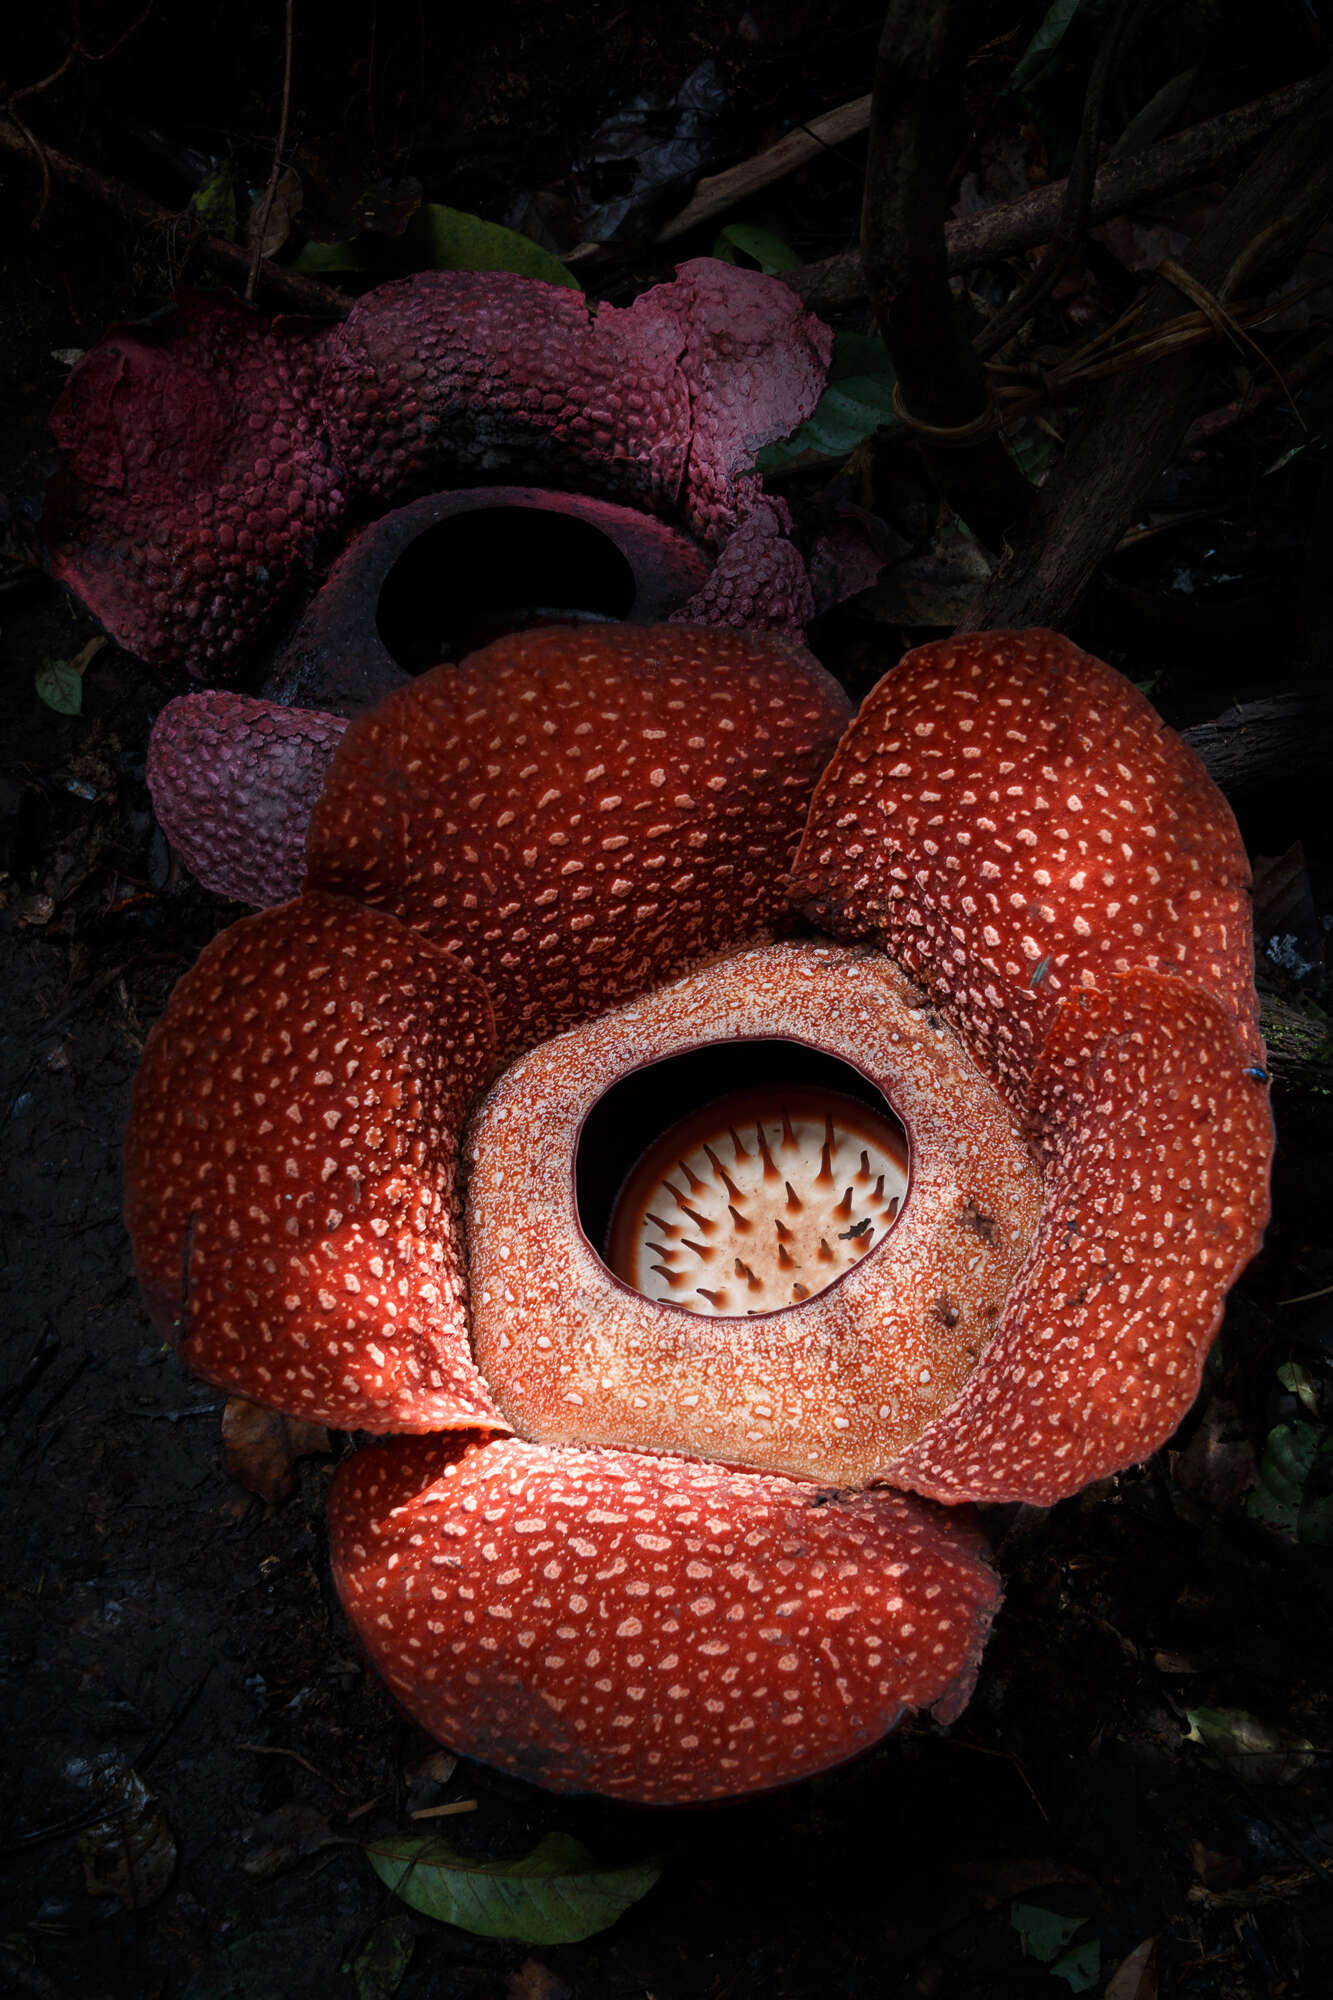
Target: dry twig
x=285, y=288
x=1020, y=389
x=76, y=52
x=1012, y=227
x=941, y=394
x=1135, y=421
x=718, y=192
x=1072, y=221
x=260, y=228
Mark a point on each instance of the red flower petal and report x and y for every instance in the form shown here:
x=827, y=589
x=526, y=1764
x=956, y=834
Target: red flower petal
x=578, y=812
x=1013, y=820
x=663, y=403
x=759, y=582
x=196, y=489
x=479, y=368
x=290, y=1168
x=650, y=1628
x=1158, y=1141
x=755, y=361
x=233, y=781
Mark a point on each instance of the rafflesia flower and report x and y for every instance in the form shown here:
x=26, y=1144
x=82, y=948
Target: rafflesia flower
x=758, y=1250
x=216, y=461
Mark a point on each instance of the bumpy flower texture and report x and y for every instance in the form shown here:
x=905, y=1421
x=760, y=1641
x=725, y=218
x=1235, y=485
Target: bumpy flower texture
x=216, y=461
x=680, y=1532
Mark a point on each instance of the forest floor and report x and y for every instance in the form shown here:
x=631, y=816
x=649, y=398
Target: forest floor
x=163, y=1620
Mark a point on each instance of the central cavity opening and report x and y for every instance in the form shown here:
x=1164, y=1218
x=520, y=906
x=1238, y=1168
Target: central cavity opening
x=475, y=576
x=740, y=1178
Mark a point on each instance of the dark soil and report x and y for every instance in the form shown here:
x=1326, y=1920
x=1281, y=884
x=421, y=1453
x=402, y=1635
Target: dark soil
x=163, y=1619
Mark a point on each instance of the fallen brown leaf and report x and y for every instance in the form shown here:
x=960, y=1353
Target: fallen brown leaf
x=535, y=1981
x=994, y=1881
x=261, y=1448
x=1135, y=1978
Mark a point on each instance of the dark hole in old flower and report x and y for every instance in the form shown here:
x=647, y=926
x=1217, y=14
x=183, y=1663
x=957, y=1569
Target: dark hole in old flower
x=475, y=576
x=740, y=1177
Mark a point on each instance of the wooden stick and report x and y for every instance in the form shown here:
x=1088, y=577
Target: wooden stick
x=1282, y=739
x=260, y=229
x=942, y=395
x=1300, y=1055
x=1011, y=227
x=184, y=233
x=1260, y=393
x=1135, y=422
x=719, y=192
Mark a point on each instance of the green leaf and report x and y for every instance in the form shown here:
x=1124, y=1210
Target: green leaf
x=437, y=239
x=857, y=402
x=1250, y=1749
x=1315, y=1522
x=1045, y=1933
x=1050, y=33
x=769, y=252
x=214, y=202
x=60, y=682
x=1287, y=1462
x=60, y=685
x=1295, y=1491
x=1298, y=1383
x=557, y=1894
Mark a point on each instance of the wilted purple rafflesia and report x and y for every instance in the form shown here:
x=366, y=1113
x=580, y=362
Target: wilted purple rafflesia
x=216, y=461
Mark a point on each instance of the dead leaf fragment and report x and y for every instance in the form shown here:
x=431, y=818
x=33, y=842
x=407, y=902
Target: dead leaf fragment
x=1175, y=1663
x=131, y=1852
x=1217, y=1468
x=535, y=1981
x=261, y=1448
x=1135, y=1978
x=282, y=211
x=284, y=1837
x=995, y=1881
x=1215, y=1870
x=1254, y=1751
x=382, y=1962
x=437, y=1769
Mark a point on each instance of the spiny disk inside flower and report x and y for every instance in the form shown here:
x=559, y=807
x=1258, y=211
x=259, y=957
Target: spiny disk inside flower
x=756, y=1214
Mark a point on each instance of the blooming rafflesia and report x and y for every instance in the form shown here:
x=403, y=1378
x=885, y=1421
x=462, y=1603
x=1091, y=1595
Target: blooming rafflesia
x=937, y=1206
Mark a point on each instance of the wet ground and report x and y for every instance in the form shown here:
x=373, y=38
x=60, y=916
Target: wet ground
x=164, y=1622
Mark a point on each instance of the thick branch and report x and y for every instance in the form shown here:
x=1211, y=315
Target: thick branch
x=1284, y=739
x=1300, y=1047
x=184, y=235
x=1011, y=227
x=916, y=128
x=1135, y=422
